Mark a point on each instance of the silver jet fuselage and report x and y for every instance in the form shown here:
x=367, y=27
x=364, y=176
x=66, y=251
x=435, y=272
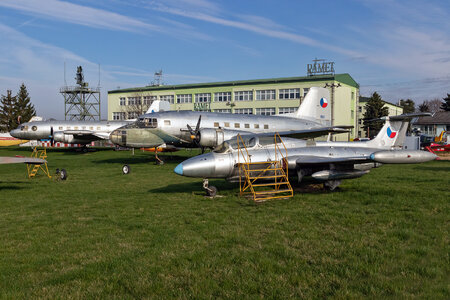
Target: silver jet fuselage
x=170, y=128
x=353, y=159
x=79, y=132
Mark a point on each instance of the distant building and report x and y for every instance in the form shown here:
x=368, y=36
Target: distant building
x=433, y=125
x=258, y=96
x=393, y=110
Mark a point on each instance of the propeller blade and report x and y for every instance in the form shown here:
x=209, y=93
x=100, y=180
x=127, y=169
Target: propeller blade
x=52, y=141
x=197, y=128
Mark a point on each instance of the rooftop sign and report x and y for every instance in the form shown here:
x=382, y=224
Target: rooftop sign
x=320, y=67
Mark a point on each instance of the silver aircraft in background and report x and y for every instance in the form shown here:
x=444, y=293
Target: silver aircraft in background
x=75, y=132
x=327, y=162
x=209, y=129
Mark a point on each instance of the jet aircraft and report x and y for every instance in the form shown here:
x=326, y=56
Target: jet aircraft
x=328, y=162
x=312, y=119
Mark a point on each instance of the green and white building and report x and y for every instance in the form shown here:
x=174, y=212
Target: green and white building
x=259, y=96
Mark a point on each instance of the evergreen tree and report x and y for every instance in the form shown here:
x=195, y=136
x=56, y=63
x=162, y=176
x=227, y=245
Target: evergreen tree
x=24, y=108
x=446, y=104
x=375, y=109
x=424, y=107
x=8, y=120
x=408, y=106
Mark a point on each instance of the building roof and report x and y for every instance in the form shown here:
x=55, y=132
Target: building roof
x=440, y=117
x=343, y=78
x=366, y=99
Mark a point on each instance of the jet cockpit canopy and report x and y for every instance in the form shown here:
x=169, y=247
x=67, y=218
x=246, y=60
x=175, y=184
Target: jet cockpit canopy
x=248, y=142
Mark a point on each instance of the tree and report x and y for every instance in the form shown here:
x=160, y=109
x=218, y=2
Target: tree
x=8, y=117
x=424, y=107
x=434, y=105
x=446, y=104
x=24, y=109
x=408, y=106
x=375, y=109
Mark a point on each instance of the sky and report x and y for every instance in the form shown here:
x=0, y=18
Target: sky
x=400, y=49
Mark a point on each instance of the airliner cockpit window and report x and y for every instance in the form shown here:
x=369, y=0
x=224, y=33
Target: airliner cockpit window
x=222, y=148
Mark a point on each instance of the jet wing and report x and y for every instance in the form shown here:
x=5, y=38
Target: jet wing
x=18, y=160
x=312, y=160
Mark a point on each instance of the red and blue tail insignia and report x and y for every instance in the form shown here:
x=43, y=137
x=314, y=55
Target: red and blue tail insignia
x=323, y=102
x=391, y=133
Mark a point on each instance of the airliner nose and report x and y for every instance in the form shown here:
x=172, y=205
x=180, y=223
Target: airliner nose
x=118, y=137
x=15, y=133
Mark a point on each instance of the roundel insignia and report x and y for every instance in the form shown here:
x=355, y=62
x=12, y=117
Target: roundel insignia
x=323, y=102
x=391, y=133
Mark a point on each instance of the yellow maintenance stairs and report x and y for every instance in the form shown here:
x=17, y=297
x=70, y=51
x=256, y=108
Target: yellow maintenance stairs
x=33, y=169
x=264, y=180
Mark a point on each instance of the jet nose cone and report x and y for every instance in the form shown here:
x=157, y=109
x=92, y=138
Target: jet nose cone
x=179, y=169
x=199, y=166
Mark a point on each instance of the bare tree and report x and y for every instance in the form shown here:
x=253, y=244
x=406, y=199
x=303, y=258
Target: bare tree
x=433, y=105
x=137, y=104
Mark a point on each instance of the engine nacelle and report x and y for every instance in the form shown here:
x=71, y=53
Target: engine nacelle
x=212, y=137
x=61, y=137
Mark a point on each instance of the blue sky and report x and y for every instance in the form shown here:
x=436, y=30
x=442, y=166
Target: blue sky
x=401, y=49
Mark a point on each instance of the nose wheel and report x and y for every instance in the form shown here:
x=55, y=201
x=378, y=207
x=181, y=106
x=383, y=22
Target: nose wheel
x=211, y=191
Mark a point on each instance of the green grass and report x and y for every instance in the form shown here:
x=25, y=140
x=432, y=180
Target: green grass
x=152, y=234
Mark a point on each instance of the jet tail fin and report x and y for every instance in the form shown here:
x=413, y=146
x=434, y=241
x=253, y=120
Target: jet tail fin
x=393, y=133
x=316, y=106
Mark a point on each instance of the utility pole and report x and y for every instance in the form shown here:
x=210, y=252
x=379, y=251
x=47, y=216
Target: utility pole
x=333, y=86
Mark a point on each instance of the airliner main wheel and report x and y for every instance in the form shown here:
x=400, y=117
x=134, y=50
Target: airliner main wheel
x=126, y=169
x=63, y=174
x=211, y=191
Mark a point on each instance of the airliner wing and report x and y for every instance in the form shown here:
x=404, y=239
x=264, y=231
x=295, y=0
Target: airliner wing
x=88, y=134
x=18, y=160
x=309, y=133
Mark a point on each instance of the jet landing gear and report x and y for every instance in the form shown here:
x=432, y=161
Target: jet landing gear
x=211, y=191
x=158, y=161
x=331, y=185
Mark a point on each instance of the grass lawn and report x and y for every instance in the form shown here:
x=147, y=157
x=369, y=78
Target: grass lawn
x=152, y=234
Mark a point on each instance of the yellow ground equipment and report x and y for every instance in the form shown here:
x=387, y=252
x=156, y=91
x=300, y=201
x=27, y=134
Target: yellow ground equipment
x=264, y=180
x=34, y=168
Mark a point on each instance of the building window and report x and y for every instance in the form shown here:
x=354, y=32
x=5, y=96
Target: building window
x=148, y=100
x=133, y=115
x=134, y=100
x=185, y=98
x=305, y=91
x=352, y=114
x=117, y=116
x=286, y=110
x=353, y=95
x=243, y=111
x=243, y=96
x=168, y=98
x=359, y=108
x=202, y=98
x=265, y=95
x=267, y=111
x=122, y=101
x=222, y=97
x=289, y=94
x=223, y=111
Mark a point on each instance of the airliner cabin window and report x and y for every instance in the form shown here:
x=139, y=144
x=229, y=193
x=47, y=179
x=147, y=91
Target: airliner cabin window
x=150, y=122
x=266, y=126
